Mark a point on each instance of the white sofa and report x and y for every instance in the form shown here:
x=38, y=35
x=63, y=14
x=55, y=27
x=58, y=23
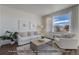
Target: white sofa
x=69, y=41
x=26, y=37
x=4, y=42
x=64, y=40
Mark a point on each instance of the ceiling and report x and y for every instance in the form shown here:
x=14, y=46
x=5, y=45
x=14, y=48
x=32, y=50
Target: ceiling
x=39, y=9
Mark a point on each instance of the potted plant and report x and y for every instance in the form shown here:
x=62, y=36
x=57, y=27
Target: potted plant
x=12, y=36
x=4, y=40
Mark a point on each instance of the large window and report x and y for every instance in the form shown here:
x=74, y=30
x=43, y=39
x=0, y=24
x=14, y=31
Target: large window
x=61, y=23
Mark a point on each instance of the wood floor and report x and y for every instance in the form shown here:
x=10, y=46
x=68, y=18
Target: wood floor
x=8, y=49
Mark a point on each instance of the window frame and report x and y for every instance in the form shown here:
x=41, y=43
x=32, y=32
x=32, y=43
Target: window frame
x=62, y=13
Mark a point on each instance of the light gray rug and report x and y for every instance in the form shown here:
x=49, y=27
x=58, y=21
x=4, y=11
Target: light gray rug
x=48, y=50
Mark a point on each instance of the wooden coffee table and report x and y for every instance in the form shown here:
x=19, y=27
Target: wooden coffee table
x=35, y=45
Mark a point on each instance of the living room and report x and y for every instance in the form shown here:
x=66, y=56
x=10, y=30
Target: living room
x=32, y=22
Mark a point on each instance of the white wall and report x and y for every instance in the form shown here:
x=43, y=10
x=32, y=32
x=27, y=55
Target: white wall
x=10, y=18
x=78, y=23
x=78, y=19
x=0, y=19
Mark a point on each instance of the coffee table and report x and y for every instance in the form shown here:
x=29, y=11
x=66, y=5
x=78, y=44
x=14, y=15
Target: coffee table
x=35, y=45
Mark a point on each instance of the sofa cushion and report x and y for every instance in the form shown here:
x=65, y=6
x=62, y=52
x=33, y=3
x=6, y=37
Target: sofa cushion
x=57, y=39
x=36, y=33
x=29, y=33
x=23, y=34
x=68, y=35
x=65, y=35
